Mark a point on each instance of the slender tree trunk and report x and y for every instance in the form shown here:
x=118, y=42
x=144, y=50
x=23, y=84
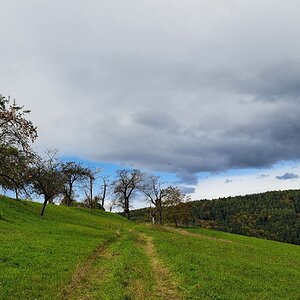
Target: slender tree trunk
x=104, y=193
x=103, y=197
x=17, y=194
x=91, y=194
x=126, y=209
x=69, y=199
x=176, y=224
x=69, y=194
x=44, y=205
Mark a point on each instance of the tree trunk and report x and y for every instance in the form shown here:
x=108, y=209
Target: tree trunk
x=44, y=206
x=67, y=200
x=17, y=194
x=91, y=194
x=126, y=211
x=104, y=194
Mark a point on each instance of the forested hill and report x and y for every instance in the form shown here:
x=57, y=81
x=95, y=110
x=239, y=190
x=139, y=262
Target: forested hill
x=271, y=215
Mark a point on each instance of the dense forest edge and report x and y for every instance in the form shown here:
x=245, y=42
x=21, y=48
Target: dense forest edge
x=271, y=215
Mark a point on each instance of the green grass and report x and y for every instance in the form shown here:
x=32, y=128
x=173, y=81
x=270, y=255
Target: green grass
x=39, y=257
x=123, y=272
x=243, y=268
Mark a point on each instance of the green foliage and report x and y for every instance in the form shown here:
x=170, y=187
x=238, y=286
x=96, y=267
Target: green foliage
x=15, y=129
x=272, y=215
x=14, y=169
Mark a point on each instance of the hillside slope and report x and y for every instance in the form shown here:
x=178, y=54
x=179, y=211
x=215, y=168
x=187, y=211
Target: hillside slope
x=73, y=254
x=272, y=215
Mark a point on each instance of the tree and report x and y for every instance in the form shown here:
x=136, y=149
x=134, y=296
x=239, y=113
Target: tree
x=126, y=182
x=15, y=129
x=185, y=211
x=16, y=135
x=14, y=168
x=74, y=172
x=47, y=178
x=104, y=191
x=152, y=188
x=172, y=201
x=88, y=185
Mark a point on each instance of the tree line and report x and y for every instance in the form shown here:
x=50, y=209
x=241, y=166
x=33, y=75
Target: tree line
x=27, y=173
x=272, y=215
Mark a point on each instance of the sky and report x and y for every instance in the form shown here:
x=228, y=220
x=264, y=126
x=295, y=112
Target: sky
x=204, y=93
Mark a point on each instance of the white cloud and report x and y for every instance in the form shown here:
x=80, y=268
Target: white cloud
x=215, y=186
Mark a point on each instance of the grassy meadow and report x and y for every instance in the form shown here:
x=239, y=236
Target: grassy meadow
x=74, y=254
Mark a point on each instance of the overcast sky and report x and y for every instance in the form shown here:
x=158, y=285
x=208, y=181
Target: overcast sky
x=182, y=87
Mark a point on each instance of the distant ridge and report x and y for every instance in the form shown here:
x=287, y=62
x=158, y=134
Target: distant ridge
x=271, y=215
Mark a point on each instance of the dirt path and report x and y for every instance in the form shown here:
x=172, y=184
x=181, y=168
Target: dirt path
x=146, y=276
x=83, y=270
x=165, y=283
x=198, y=235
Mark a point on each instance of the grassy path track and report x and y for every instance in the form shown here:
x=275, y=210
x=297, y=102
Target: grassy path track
x=165, y=283
x=197, y=235
x=121, y=270
x=83, y=270
x=124, y=268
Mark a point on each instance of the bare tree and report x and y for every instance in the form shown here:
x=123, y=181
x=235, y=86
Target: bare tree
x=74, y=172
x=104, y=190
x=126, y=182
x=152, y=187
x=47, y=178
x=88, y=185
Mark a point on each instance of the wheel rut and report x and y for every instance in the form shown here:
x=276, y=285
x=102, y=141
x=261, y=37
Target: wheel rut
x=82, y=271
x=165, y=282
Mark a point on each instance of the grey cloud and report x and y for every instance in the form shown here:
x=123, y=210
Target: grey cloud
x=263, y=176
x=172, y=86
x=187, y=189
x=288, y=176
x=228, y=181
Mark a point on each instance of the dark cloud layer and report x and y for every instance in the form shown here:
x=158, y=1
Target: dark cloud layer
x=175, y=86
x=288, y=176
